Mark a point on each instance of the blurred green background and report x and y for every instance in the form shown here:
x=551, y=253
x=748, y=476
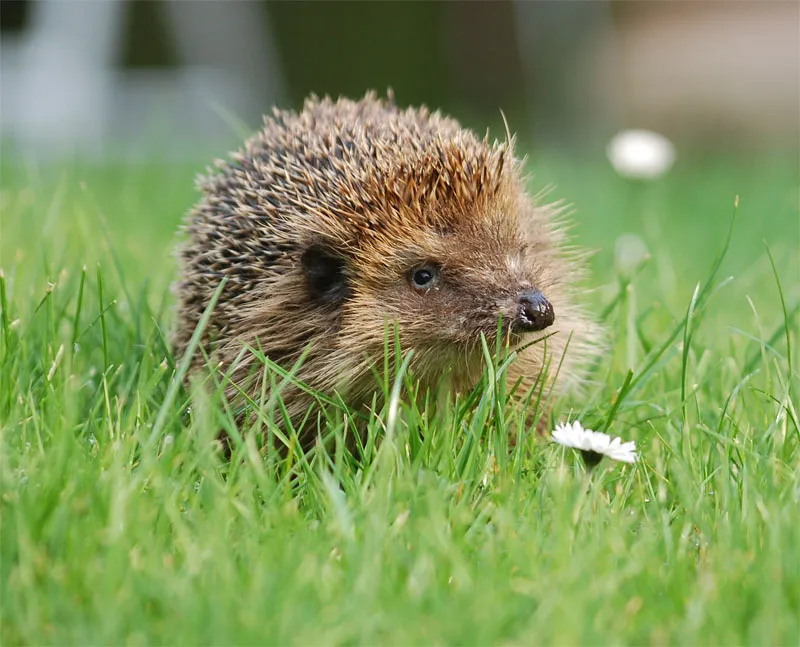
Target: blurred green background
x=134, y=77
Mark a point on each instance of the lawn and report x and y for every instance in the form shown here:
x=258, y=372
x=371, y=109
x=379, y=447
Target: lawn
x=122, y=525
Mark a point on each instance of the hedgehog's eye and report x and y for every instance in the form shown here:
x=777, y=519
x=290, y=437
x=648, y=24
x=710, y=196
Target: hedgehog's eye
x=424, y=278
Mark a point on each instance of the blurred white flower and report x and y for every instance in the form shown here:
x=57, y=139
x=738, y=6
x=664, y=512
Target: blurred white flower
x=594, y=444
x=630, y=251
x=640, y=154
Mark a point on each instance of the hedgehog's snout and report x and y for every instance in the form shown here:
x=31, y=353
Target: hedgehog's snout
x=534, y=312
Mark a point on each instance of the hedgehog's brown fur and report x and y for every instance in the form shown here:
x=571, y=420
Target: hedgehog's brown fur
x=317, y=223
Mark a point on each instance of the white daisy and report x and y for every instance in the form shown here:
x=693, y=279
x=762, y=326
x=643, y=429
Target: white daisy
x=594, y=444
x=640, y=154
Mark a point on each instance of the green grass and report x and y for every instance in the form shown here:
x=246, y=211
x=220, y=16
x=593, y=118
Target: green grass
x=121, y=525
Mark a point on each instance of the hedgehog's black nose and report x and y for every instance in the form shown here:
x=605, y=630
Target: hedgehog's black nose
x=534, y=312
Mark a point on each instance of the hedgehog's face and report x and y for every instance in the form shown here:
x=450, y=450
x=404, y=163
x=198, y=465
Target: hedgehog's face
x=467, y=300
x=454, y=287
x=443, y=289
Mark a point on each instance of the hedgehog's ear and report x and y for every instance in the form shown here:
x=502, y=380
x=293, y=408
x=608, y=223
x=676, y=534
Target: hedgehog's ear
x=326, y=274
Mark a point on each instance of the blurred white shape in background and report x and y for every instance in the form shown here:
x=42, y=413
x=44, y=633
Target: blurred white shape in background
x=640, y=154
x=63, y=92
x=56, y=77
x=630, y=251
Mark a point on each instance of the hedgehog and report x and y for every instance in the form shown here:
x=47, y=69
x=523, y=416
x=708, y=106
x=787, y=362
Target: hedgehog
x=348, y=219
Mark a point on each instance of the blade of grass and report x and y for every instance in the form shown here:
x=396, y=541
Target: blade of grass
x=4, y=318
x=177, y=378
x=786, y=326
x=687, y=342
x=78, y=309
x=103, y=330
